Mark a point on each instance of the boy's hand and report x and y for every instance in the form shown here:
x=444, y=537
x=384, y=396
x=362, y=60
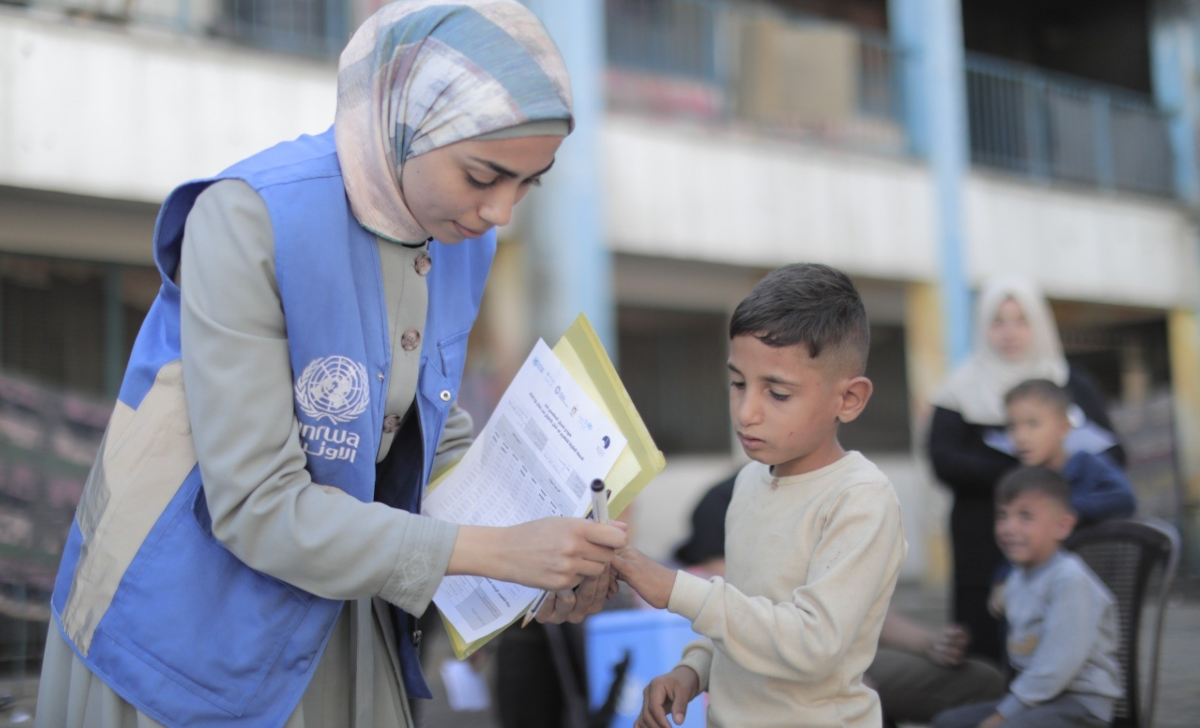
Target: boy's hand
x=650, y=579
x=993, y=720
x=995, y=602
x=950, y=647
x=673, y=692
x=573, y=605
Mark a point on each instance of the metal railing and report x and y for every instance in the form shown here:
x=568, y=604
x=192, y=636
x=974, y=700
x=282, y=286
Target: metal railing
x=307, y=27
x=751, y=65
x=745, y=64
x=1049, y=126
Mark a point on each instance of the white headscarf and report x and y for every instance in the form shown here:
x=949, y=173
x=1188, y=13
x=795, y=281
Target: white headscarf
x=976, y=389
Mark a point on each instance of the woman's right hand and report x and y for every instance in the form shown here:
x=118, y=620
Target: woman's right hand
x=550, y=553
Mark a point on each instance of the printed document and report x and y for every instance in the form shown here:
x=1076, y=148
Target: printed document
x=536, y=457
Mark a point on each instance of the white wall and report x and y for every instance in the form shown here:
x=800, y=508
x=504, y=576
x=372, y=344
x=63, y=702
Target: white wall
x=687, y=192
x=129, y=114
x=1083, y=245
x=690, y=192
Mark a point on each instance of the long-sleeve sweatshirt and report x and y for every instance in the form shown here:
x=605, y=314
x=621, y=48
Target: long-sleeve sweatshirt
x=811, y=563
x=1062, y=637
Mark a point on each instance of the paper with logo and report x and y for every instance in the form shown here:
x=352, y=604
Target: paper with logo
x=638, y=461
x=535, y=457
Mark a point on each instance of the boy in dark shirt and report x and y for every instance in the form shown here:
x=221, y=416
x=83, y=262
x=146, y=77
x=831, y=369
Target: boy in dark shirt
x=1038, y=425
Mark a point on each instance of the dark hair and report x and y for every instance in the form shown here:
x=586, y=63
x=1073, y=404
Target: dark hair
x=1043, y=389
x=809, y=304
x=1033, y=479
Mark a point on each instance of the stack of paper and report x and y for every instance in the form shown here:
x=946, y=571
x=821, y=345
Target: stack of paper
x=565, y=420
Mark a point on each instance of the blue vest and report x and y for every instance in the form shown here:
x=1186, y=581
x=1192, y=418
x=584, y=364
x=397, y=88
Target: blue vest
x=193, y=636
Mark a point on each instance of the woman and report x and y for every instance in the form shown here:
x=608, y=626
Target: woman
x=1016, y=339
x=246, y=550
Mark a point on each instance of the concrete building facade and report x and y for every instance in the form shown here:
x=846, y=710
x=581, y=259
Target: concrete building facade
x=920, y=145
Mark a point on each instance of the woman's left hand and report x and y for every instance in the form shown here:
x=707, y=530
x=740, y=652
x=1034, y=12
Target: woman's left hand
x=573, y=605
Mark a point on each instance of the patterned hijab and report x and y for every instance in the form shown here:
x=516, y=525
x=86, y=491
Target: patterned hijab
x=976, y=389
x=423, y=74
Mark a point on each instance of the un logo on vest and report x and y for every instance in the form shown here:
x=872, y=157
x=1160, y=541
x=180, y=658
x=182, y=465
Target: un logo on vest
x=334, y=387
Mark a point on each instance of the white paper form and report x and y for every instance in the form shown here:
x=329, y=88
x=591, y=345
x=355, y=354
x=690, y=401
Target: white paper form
x=536, y=457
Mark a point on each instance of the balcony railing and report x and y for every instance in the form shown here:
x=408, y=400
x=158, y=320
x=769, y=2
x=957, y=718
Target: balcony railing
x=744, y=64
x=748, y=65
x=1049, y=126
x=305, y=27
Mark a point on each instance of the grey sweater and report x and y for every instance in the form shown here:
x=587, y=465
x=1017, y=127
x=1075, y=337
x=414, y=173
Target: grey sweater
x=1062, y=637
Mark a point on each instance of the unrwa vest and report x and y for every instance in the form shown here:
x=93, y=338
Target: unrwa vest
x=151, y=602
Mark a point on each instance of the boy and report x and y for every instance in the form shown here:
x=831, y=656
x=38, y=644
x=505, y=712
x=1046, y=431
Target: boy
x=813, y=535
x=1038, y=425
x=1062, y=626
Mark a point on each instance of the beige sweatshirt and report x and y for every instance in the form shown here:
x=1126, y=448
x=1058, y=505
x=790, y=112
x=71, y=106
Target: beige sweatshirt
x=811, y=562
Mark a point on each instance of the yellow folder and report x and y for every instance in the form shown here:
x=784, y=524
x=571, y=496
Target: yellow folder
x=584, y=357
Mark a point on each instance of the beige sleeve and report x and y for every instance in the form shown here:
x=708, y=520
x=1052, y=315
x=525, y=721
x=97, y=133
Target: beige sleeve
x=805, y=639
x=698, y=655
x=237, y=376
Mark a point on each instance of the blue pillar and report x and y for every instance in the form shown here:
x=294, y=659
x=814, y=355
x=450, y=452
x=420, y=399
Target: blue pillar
x=571, y=271
x=1173, y=58
x=928, y=34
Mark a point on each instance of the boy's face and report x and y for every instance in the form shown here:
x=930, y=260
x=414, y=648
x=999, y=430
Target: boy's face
x=1038, y=430
x=786, y=407
x=1030, y=528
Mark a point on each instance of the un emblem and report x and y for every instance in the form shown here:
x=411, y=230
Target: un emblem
x=333, y=387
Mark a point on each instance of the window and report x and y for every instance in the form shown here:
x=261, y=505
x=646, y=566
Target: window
x=673, y=364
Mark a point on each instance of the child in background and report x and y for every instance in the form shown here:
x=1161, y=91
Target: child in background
x=1038, y=425
x=1062, y=626
x=813, y=539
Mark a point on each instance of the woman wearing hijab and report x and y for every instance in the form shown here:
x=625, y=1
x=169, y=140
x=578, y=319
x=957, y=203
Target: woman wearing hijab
x=1016, y=339
x=247, y=550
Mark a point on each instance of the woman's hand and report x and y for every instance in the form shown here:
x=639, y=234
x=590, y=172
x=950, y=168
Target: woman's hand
x=550, y=553
x=672, y=692
x=650, y=579
x=574, y=605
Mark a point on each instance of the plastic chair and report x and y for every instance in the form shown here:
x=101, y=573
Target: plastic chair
x=1124, y=554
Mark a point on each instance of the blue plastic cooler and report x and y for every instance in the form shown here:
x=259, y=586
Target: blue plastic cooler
x=655, y=640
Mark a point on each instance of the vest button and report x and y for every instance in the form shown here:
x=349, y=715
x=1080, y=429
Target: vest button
x=445, y=395
x=391, y=423
x=423, y=263
x=410, y=340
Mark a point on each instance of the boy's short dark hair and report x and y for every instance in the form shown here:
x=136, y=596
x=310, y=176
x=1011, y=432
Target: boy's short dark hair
x=1033, y=479
x=809, y=304
x=1042, y=389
